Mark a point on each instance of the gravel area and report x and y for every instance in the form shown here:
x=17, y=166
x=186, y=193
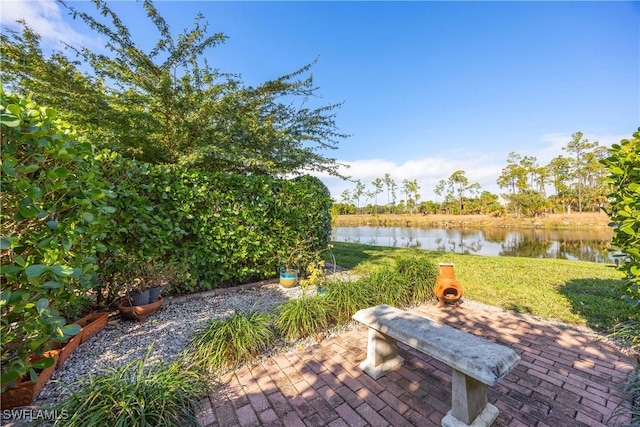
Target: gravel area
x=169, y=330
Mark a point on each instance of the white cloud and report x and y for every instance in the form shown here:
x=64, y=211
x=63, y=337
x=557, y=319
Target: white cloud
x=427, y=171
x=45, y=18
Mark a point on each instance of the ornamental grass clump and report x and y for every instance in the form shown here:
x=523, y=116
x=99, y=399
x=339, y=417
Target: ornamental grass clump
x=345, y=298
x=303, y=317
x=420, y=274
x=230, y=342
x=387, y=287
x=137, y=394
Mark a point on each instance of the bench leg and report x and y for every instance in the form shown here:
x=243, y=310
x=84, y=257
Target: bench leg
x=382, y=354
x=469, y=404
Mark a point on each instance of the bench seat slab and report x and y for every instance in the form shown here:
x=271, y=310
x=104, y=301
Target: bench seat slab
x=474, y=356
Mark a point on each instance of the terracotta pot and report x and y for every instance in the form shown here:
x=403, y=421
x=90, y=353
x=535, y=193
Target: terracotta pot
x=66, y=349
x=91, y=324
x=140, y=312
x=24, y=393
x=447, y=288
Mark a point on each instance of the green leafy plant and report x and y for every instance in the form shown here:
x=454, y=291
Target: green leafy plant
x=137, y=394
x=420, y=273
x=54, y=206
x=230, y=342
x=52, y=220
x=623, y=166
x=221, y=229
x=303, y=317
x=28, y=326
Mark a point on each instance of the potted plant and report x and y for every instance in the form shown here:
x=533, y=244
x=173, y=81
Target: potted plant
x=302, y=258
x=137, y=290
x=150, y=277
x=158, y=275
x=143, y=292
x=289, y=267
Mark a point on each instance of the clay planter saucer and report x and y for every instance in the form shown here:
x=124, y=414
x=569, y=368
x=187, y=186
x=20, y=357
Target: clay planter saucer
x=140, y=312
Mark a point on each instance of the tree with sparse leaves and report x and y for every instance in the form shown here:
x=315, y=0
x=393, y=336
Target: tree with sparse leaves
x=580, y=148
x=358, y=192
x=169, y=105
x=377, y=183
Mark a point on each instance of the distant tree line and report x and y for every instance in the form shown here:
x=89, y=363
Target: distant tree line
x=571, y=183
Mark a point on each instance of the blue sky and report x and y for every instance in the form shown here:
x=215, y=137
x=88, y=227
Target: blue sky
x=428, y=87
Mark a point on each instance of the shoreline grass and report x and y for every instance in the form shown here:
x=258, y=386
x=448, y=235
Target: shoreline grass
x=573, y=292
x=575, y=221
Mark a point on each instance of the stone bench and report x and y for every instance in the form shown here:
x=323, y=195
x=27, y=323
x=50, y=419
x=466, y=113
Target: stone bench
x=476, y=362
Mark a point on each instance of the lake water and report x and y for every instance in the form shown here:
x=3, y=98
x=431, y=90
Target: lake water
x=564, y=244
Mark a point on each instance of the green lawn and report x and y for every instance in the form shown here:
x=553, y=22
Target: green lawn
x=574, y=292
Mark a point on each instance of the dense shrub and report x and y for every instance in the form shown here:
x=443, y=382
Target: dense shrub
x=217, y=229
x=140, y=232
x=623, y=166
x=55, y=205
x=231, y=228
x=52, y=224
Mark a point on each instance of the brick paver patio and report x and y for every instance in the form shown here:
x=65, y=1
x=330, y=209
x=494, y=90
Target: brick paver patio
x=567, y=377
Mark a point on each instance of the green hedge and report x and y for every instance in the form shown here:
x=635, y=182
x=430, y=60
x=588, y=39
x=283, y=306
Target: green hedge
x=89, y=218
x=232, y=228
x=55, y=204
x=216, y=229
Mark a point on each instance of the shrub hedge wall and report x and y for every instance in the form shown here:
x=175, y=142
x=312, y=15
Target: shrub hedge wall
x=75, y=220
x=226, y=228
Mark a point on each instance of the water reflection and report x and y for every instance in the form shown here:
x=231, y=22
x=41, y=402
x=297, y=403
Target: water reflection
x=564, y=244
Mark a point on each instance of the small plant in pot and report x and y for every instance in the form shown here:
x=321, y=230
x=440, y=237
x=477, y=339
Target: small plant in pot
x=153, y=275
x=147, y=282
x=139, y=294
x=290, y=267
x=306, y=261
